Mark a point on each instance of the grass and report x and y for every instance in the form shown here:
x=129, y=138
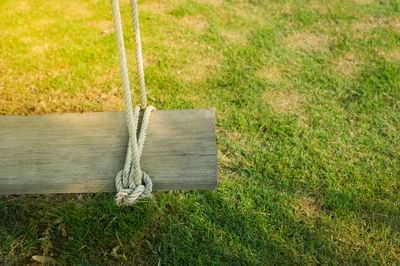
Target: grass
x=307, y=95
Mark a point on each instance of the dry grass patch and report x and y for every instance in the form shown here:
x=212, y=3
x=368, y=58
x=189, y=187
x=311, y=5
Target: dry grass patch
x=78, y=9
x=249, y=14
x=195, y=22
x=373, y=22
x=283, y=102
x=12, y=8
x=364, y=2
x=21, y=94
x=40, y=48
x=303, y=120
x=175, y=43
x=37, y=46
x=395, y=23
x=281, y=8
x=158, y=6
x=216, y=3
x=149, y=60
x=307, y=208
x=29, y=40
x=318, y=7
x=31, y=101
x=392, y=55
x=370, y=23
x=272, y=74
x=308, y=41
x=104, y=26
x=152, y=6
x=236, y=37
x=198, y=68
x=346, y=65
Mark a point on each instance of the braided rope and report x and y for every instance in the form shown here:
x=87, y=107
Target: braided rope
x=138, y=52
x=131, y=182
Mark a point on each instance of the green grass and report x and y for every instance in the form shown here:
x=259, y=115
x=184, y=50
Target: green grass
x=307, y=96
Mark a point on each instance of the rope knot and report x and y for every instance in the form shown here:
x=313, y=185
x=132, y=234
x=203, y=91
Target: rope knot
x=131, y=182
x=129, y=196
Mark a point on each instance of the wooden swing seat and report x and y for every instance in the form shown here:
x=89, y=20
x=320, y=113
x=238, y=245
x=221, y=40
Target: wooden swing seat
x=82, y=152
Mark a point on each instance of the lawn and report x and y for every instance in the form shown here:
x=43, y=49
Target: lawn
x=307, y=99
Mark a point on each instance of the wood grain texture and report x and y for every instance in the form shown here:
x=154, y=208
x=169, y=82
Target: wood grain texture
x=77, y=153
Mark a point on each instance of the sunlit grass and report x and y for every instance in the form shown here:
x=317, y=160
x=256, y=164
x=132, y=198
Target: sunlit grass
x=307, y=97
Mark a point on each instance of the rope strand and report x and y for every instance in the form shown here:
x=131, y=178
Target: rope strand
x=138, y=51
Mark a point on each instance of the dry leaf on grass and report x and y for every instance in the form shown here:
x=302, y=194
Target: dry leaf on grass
x=43, y=259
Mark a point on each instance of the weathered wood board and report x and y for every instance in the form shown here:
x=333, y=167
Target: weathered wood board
x=77, y=153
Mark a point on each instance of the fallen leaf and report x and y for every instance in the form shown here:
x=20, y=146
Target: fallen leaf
x=59, y=220
x=43, y=259
x=150, y=245
x=61, y=227
x=115, y=250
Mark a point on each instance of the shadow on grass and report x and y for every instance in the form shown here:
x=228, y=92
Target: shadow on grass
x=175, y=228
x=382, y=214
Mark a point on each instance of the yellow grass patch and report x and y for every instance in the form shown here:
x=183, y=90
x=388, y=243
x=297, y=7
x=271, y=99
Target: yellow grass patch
x=370, y=23
x=37, y=46
x=308, y=41
x=175, y=44
x=31, y=100
x=395, y=23
x=249, y=14
x=12, y=7
x=198, y=68
x=364, y=1
x=153, y=6
x=40, y=48
x=281, y=8
x=307, y=208
x=21, y=94
x=392, y=55
x=236, y=37
x=303, y=120
x=29, y=40
x=269, y=73
x=195, y=22
x=283, y=102
x=104, y=26
x=216, y=3
x=318, y=7
x=373, y=22
x=149, y=60
x=77, y=8
x=158, y=6
x=346, y=65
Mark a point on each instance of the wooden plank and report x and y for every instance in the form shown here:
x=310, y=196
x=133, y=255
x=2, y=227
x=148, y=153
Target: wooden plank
x=77, y=153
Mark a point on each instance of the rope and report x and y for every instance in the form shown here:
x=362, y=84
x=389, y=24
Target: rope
x=138, y=52
x=131, y=182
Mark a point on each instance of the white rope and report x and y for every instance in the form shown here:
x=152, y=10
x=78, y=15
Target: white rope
x=138, y=51
x=132, y=183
